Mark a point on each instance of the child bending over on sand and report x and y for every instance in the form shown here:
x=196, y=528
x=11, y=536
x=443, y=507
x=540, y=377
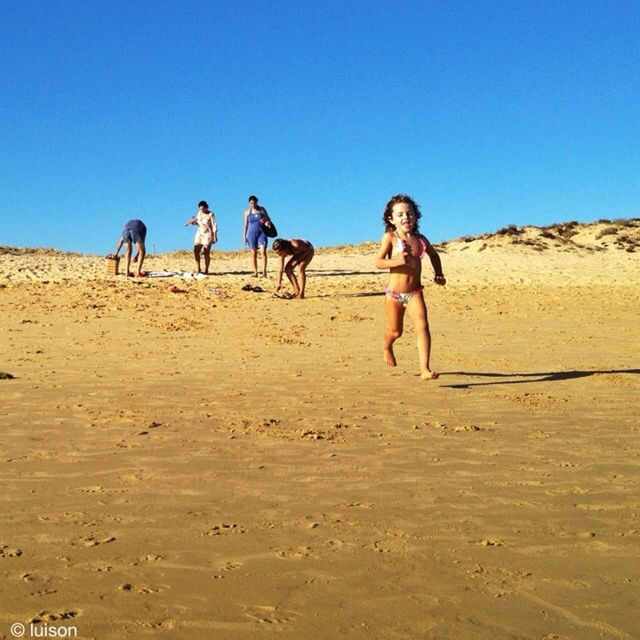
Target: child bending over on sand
x=301, y=252
x=401, y=250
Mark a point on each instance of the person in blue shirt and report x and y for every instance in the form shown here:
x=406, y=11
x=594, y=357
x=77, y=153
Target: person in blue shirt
x=133, y=232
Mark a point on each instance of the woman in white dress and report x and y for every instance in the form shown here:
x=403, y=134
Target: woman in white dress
x=206, y=235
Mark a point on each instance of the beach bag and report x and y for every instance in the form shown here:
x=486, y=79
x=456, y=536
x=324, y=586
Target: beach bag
x=268, y=227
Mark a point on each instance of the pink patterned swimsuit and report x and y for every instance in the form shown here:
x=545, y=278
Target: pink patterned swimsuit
x=403, y=298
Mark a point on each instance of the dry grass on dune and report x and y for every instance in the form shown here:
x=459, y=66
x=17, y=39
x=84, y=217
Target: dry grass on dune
x=620, y=234
x=37, y=251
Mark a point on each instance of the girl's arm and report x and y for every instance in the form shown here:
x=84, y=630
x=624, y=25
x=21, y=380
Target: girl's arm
x=280, y=270
x=193, y=220
x=435, y=263
x=384, y=259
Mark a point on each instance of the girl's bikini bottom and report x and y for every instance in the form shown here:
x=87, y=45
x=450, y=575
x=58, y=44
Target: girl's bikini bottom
x=402, y=298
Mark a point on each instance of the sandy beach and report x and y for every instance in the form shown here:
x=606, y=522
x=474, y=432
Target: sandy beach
x=219, y=463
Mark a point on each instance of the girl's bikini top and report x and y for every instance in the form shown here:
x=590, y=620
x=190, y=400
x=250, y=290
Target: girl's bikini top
x=401, y=243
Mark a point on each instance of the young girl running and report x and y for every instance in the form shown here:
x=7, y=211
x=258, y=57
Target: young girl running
x=401, y=250
x=301, y=252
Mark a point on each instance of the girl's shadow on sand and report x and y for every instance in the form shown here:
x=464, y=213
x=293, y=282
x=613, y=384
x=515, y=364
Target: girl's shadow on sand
x=549, y=376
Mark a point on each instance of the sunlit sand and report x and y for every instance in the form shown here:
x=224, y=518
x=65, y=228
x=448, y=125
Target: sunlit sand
x=184, y=458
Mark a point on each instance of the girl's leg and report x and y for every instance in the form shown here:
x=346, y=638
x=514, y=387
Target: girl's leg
x=418, y=311
x=302, y=275
x=302, y=271
x=289, y=270
x=263, y=255
x=395, y=317
x=254, y=261
x=207, y=257
x=196, y=255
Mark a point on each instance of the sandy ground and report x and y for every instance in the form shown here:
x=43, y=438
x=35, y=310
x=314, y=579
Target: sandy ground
x=224, y=464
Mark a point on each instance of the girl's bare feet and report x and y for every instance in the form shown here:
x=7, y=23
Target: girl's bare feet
x=429, y=375
x=388, y=356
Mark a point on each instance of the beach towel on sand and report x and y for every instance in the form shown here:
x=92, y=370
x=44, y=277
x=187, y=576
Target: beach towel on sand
x=176, y=274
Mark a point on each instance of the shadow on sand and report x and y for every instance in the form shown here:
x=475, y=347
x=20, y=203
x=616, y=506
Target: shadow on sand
x=344, y=272
x=508, y=378
x=363, y=294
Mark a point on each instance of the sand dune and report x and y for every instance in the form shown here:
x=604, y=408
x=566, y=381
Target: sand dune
x=220, y=463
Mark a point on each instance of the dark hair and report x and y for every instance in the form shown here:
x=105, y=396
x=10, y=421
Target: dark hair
x=281, y=244
x=203, y=203
x=400, y=198
x=254, y=198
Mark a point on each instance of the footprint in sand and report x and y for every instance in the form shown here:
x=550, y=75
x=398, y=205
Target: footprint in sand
x=127, y=586
x=151, y=425
x=228, y=566
x=335, y=544
x=224, y=529
x=43, y=592
x=165, y=624
x=9, y=552
x=94, y=489
x=59, y=517
x=359, y=505
x=299, y=552
x=150, y=557
x=47, y=616
x=39, y=593
x=91, y=541
x=269, y=615
x=36, y=580
x=446, y=428
x=103, y=568
x=488, y=542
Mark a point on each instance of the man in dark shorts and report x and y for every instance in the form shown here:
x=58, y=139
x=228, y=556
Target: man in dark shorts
x=134, y=232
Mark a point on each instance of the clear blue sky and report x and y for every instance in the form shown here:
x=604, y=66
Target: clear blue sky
x=487, y=112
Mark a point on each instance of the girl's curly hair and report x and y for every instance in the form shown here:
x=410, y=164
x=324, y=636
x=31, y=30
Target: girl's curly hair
x=401, y=197
x=281, y=243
